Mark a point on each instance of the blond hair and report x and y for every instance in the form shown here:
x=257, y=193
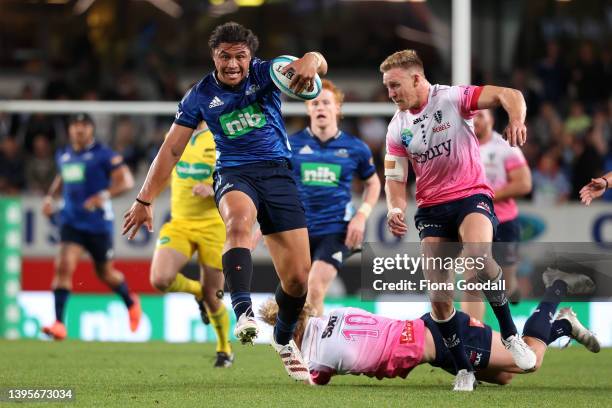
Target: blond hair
x=269, y=310
x=405, y=59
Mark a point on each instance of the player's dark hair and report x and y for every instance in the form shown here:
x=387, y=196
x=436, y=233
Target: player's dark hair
x=233, y=33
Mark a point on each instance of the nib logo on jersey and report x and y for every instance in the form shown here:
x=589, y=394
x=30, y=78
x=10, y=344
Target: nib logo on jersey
x=320, y=174
x=242, y=121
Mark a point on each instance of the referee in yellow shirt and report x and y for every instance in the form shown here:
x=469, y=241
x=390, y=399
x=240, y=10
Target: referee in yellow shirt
x=195, y=226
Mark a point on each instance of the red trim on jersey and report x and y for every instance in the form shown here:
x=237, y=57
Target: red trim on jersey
x=475, y=97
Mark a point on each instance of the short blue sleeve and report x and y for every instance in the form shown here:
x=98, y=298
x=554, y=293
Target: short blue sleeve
x=365, y=165
x=110, y=160
x=261, y=69
x=188, y=113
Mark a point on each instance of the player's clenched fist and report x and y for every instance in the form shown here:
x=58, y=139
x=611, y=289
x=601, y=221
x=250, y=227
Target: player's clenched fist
x=397, y=223
x=135, y=217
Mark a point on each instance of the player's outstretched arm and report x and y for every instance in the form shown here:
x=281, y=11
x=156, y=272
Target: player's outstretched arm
x=305, y=69
x=169, y=154
x=595, y=189
x=513, y=102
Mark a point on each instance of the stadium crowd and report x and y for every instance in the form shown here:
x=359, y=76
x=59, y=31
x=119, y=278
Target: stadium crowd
x=569, y=121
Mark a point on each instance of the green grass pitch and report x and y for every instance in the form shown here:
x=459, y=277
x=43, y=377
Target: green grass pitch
x=181, y=375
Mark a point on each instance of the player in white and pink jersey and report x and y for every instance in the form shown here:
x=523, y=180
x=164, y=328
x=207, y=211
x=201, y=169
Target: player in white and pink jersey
x=509, y=176
x=433, y=130
x=354, y=341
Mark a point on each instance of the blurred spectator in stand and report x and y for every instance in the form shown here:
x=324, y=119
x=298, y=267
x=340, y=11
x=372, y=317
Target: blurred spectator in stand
x=552, y=73
x=12, y=172
x=40, y=166
x=543, y=126
x=588, y=77
x=550, y=185
x=578, y=121
x=522, y=82
x=589, y=160
x=125, y=143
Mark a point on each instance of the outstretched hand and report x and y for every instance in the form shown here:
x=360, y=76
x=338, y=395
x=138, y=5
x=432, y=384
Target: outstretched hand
x=596, y=188
x=135, y=217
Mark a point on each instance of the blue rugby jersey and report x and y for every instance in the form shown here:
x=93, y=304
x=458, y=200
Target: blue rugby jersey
x=85, y=173
x=324, y=172
x=246, y=120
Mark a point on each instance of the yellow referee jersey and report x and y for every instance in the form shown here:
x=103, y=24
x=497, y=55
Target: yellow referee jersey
x=195, y=166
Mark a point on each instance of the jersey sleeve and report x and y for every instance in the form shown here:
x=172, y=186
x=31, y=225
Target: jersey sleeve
x=514, y=159
x=468, y=100
x=111, y=160
x=394, y=138
x=188, y=113
x=365, y=164
x=261, y=70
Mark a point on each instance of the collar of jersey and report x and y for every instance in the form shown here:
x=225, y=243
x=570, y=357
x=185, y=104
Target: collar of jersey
x=85, y=149
x=319, y=140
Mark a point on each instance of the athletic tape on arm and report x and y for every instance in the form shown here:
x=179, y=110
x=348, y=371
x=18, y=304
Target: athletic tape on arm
x=396, y=168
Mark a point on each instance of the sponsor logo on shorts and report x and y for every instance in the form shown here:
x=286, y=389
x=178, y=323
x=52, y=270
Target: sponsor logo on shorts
x=337, y=256
x=475, y=358
x=484, y=206
x=452, y=341
x=242, y=121
x=407, y=335
x=442, y=149
x=423, y=225
x=225, y=187
x=320, y=174
x=73, y=172
x=196, y=171
x=163, y=240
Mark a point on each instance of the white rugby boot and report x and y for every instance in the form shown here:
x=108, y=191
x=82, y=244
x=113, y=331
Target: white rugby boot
x=292, y=360
x=579, y=333
x=522, y=354
x=465, y=381
x=246, y=329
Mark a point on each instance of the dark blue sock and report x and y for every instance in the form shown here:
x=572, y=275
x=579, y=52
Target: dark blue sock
x=539, y=323
x=241, y=303
x=499, y=303
x=123, y=291
x=61, y=296
x=289, y=309
x=454, y=343
x=238, y=269
x=559, y=328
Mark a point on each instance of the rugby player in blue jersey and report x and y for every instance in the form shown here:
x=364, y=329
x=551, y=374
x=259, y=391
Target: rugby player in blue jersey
x=253, y=179
x=90, y=174
x=324, y=161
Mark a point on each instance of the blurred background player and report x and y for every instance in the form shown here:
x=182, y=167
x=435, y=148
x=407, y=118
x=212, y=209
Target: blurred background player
x=195, y=226
x=508, y=174
x=324, y=161
x=90, y=174
x=432, y=129
x=353, y=341
x=253, y=181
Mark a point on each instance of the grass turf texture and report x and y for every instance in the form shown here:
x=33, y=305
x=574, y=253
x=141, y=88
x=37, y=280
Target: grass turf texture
x=160, y=374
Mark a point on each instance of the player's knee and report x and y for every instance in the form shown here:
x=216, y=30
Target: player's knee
x=296, y=285
x=504, y=378
x=238, y=228
x=160, y=282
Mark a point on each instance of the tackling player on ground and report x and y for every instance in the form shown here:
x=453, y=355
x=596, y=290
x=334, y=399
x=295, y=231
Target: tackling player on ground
x=90, y=174
x=354, y=341
x=241, y=106
x=195, y=226
x=432, y=129
x=324, y=161
x=508, y=173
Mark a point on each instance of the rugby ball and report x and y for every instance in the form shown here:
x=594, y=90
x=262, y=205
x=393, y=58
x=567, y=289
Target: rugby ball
x=282, y=81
